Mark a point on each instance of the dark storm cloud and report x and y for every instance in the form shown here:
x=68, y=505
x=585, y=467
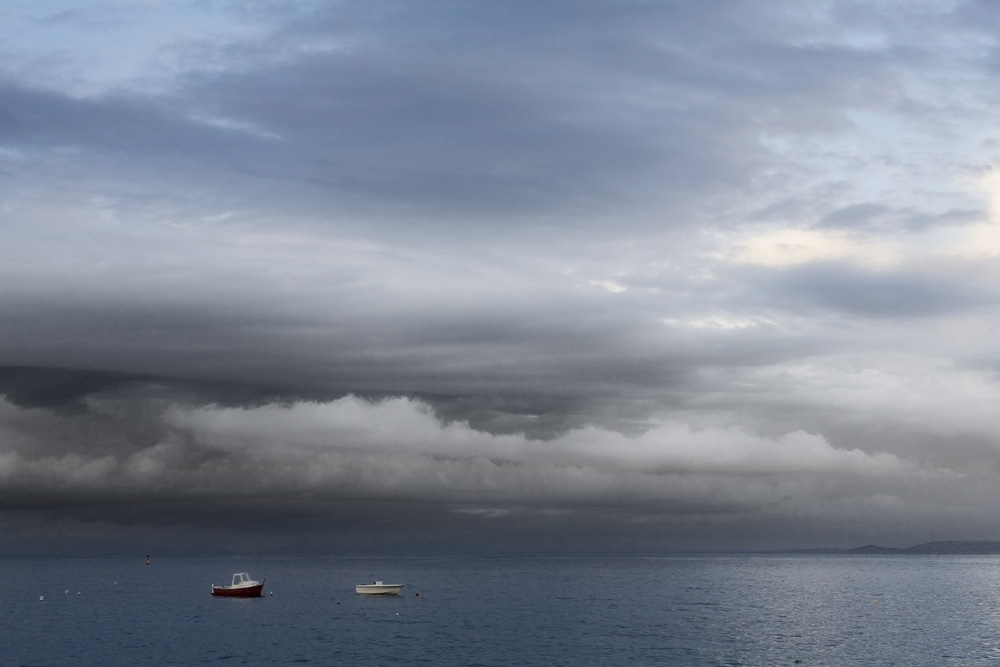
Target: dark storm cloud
x=384, y=116
x=501, y=271
x=54, y=387
x=322, y=459
x=542, y=366
x=464, y=120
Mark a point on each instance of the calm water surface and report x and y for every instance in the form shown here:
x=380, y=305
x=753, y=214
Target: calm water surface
x=678, y=610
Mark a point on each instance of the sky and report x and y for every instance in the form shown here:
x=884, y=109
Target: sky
x=635, y=276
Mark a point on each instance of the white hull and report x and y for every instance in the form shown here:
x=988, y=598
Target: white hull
x=378, y=589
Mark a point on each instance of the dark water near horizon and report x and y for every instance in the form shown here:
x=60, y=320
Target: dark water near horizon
x=674, y=610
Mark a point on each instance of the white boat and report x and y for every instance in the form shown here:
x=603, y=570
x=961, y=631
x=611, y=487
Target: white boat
x=378, y=588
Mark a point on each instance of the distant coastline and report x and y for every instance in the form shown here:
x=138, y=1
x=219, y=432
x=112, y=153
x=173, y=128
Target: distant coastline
x=952, y=547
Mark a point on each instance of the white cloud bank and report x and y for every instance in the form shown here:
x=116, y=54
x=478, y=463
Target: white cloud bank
x=397, y=449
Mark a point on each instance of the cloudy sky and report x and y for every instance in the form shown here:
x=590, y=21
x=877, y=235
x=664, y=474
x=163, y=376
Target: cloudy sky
x=457, y=276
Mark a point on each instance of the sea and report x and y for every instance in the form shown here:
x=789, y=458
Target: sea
x=623, y=610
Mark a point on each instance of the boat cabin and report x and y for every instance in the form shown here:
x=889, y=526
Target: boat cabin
x=241, y=578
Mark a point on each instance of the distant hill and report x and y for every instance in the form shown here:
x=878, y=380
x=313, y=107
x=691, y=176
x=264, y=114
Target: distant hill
x=952, y=547
x=874, y=549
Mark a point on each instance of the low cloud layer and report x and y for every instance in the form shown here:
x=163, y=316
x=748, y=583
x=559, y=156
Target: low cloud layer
x=309, y=456
x=397, y=448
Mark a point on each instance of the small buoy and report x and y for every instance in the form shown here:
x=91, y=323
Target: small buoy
x=41, y=598
x=272, y=592
x=418, y=594
x=67, y=591
x=874, y=601
x=78, y=592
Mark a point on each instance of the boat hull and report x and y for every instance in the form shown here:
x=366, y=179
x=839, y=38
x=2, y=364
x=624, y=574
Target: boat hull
x=378, y=589
x=239, y=592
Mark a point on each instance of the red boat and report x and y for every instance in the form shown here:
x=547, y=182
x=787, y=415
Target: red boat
x=242, y=587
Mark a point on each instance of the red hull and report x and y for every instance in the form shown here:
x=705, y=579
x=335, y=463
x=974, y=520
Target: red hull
x=244, y=592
